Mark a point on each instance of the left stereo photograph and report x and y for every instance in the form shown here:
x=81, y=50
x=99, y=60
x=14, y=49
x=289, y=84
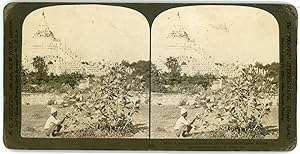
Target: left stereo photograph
x=79, y=78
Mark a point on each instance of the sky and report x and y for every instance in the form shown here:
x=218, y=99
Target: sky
x=95, y=32
x=226, y=33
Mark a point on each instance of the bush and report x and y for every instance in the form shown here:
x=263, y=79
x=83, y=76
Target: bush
x=28, y=88
x=109, y=104
x=183, y=102
x=51, y=102
x=60, y=83
x=240, y=105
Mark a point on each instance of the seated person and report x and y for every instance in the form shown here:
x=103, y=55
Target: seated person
x=53, y=125
x=182, y=126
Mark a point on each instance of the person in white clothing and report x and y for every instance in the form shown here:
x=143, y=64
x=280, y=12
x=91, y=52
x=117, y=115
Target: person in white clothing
x=182, y=126
x=53, y=125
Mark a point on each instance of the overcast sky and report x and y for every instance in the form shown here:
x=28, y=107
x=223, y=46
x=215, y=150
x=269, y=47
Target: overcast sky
x=226, y=33
x=95, y=31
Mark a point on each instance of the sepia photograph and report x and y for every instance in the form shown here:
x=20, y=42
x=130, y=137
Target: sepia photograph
x=215, y=73
x=150, y=76
x=85, y=73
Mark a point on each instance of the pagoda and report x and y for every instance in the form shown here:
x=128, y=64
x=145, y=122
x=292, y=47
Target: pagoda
x=58, y=57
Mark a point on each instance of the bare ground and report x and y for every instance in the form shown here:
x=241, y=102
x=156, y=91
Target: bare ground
x=35, y=112
x=164, y=117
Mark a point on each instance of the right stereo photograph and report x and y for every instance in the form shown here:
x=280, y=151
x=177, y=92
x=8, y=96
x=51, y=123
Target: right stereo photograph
x=214, y=73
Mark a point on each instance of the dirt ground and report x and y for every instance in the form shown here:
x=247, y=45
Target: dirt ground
x=164, y=117
x=35, y=112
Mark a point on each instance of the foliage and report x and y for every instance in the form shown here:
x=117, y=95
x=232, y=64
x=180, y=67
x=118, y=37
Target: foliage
x=173, y=76
x=157, y=82
x=183, y=102
x=204, y=80
x=273, y=72
x=173, y=65
x=109, y=104
x=41, y=69
x=241, y=104
x=71, y=79
x=40, y=65
x=174, y=81
x=141, y=68
x=40, y=80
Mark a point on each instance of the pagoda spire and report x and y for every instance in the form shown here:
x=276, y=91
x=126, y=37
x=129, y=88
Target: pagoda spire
x=43, y=30
x=45, y=25
x=43, y=14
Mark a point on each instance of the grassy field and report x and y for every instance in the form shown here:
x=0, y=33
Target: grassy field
x=164, y=117
x=35, y=112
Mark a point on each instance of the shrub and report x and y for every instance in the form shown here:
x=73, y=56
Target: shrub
x=51, y=102
x=240, y=105
x=183, y=102
x=109, y=106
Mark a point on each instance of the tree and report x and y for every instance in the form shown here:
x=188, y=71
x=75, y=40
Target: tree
x=41, y=69
x=109, y=105
x=173, y=65
x=202, y=79
x=273, y=71
x=173, y=76
x=157, y=82
x=71, y=79
x=141, y=69
x=239, y=107
x=259, y=65
x=24, y=76
x=125, y=63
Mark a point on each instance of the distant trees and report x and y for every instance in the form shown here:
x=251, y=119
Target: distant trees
x=125, y=63
x=175, y=81
x=273, y=71
x=173, y=66
x=38, y=76
x=141, y=69
x=172, y=80
x=157, y=80
x=40, y=80
x=200, y=79
x=173, y=76
x=259, y=65
x=41, y=69
x=40, y=65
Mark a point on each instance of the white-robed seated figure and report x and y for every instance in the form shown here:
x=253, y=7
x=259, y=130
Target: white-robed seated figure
x=183, y=126
x=53, y=125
